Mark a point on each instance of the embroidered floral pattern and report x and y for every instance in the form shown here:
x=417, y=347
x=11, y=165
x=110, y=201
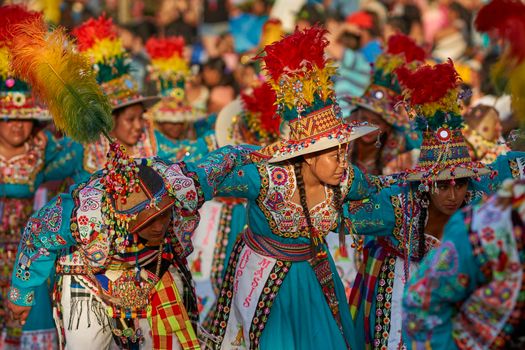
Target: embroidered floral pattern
x=286, y=217
x=24, y=168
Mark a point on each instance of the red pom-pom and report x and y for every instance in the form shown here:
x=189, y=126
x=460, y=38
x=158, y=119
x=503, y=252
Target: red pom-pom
x=261, y=101
x=428, y=84
x=165, y=48
x=12, y=15
x=507, y=19
x=402, y=44
x=302, y=49
x=94, y=30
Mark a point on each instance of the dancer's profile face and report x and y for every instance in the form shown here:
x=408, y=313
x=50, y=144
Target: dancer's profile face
x=449, y=195
x=155, y=230
x=328, y=166
x=14, y=133
x=129, y=125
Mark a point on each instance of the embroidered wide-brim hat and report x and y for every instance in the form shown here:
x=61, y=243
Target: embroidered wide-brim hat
x=226, y=130
x=382, y=100
x=123, y=92
x=16, y=100
x=171, y=110
x=317, y=132
x=21, y=105
x=384, y=93
x=444, y=152
x=301, y=76
x=445, y=157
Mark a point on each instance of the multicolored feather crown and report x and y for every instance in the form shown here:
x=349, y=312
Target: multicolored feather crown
x=98, y=40
x=16, y=99
x=259, y=116
x=384, y=92
x=169, y=71
x=401, y=50
x=301, y=77
x=300, y=73
x=62, y=78
x=433, y=94
x=168, y=67
x=505, y=19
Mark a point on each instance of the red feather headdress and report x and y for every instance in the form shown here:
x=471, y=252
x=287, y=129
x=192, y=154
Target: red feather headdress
x=260, y=104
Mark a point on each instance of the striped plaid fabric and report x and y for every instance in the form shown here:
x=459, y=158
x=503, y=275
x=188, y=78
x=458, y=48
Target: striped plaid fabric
x=365, y=282
x=168, y=317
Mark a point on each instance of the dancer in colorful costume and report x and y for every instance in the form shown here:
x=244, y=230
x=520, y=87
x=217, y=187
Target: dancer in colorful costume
x=469, y=293
x=251, y=119
x=28, y=157
x=173, y=116
x=279, y=290
x=119, y=240
x=391, y=150
x=409, y=219
x=98, y=40
x=379, y=106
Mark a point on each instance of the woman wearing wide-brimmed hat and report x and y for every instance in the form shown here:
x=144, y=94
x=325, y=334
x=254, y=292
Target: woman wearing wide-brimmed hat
x=97, y=40
x=281, y=289
x=408, y=219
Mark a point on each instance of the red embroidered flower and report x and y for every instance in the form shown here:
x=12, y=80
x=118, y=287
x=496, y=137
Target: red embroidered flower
x=191, y=195
x=488, y=234
x=83, y=220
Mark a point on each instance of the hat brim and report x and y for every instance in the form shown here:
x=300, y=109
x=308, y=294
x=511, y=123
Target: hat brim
x=146, y=101
x=446, y=174
x=276, y=152
x=387, y=116
x=224, y=123
x=38, y=114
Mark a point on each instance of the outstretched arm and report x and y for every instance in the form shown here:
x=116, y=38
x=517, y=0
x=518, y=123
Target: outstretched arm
x=46, y=233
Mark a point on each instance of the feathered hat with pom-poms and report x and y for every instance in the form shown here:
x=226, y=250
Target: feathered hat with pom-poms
x=433, y=94
x=169, y=71
x=250, y=119
x=384, y=91
x=505, y=20
x=301, y=77
x=16, y=98
x=98, y=40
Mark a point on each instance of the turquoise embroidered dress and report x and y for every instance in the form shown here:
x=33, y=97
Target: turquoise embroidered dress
x=470, y=293
x=271, y=297
x=21, y=176
x=392, y=218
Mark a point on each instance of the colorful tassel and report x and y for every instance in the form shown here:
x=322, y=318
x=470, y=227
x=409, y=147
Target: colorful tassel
x=62, y=78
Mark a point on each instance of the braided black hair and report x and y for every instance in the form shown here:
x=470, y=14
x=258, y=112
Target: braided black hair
x=302, y=196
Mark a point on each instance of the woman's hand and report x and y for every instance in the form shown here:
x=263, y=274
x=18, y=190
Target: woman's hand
x=18, y=313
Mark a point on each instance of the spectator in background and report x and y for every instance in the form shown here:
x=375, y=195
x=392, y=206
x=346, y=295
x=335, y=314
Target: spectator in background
x=365, y=25
x=133, y=37
x=214, y=23
x=490, y=95
x=178, y=18
x=309, y=15
x=354, y=70
x=453, y=40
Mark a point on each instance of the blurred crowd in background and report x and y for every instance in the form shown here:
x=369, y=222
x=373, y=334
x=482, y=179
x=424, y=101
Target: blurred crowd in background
x=223, y=36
